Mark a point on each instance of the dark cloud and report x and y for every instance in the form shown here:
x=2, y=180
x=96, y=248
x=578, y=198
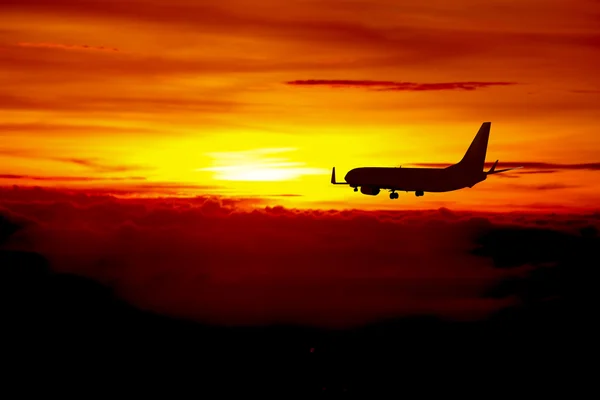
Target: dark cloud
x=68, y=47
x=550, y=166
x=207, y=258
x=396, y=86
x=529, y=167
x=535, y=172
x=543, y=187
x=553, y=186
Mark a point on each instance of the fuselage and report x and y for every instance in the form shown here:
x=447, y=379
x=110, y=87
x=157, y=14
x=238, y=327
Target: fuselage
x=415, y=179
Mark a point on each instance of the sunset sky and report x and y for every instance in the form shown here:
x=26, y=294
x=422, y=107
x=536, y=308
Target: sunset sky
x=261, y=98
x=182, y=151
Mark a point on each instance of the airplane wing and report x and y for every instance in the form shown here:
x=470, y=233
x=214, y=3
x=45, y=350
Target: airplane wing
x=333, y=178
x=494, y=171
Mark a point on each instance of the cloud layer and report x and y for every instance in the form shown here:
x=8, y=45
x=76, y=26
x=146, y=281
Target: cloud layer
x=213, y=260
x=76, y=47
x=396, y=86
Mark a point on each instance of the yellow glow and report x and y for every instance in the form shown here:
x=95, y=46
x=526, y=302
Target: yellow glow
x=214, y=114
x=255, y=165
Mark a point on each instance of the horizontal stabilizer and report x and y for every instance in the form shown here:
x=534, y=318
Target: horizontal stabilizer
x=494, y=171
x=503, y=170
x=333, y=178
x=491, y=171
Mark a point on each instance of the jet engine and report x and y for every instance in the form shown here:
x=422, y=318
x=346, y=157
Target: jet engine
x=371, y=191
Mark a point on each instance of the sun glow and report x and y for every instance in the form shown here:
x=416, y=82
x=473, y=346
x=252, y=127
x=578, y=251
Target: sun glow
x=258, y=102
x=255, y=165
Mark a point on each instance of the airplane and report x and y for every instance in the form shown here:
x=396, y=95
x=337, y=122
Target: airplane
x=465, y=174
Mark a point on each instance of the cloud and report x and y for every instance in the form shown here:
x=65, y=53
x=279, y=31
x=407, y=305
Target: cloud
x=83, y=313
x=72, y=129
x=123, y=105
x=553, y=166
x=348, y=41
x=122, y=187
x=530, y=167
x=228, y=20
x=216, y=260
x=397, y=86
x=158, y=189
x=544, y=187
x=93, y=164
x=96, y=165
x=69, y=178
x=22, y=63
x=541, y=171
x=585, y=91
x=298, y=23
x=68, y=47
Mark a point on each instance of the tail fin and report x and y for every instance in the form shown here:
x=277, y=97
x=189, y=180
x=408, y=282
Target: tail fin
x=474, y=158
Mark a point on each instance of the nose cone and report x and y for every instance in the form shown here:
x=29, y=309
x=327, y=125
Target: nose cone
x=350, y=176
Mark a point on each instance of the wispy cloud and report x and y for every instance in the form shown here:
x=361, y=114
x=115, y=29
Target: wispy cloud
x=543, y=187
x=94, y=164
x=583, y=91
x=530, y=167
x=75, y=47
x=120, y=104
x=396, y=86
x=44, y=128
x=69, y=178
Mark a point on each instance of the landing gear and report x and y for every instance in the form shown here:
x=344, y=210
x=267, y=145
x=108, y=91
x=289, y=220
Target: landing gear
x=393, y=195
x=419, y=193
x=356, y=189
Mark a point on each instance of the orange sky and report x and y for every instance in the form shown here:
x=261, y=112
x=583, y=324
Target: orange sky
x=180, y=97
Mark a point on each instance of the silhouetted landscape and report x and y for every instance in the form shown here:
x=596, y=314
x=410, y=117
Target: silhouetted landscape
x=59, y=325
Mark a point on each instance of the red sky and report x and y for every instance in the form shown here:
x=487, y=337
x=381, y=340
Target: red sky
x=261, y=98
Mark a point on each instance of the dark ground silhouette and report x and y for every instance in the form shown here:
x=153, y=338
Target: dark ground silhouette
x=71, y=331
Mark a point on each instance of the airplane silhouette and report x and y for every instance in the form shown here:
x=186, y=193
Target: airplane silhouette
x=466, y=173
